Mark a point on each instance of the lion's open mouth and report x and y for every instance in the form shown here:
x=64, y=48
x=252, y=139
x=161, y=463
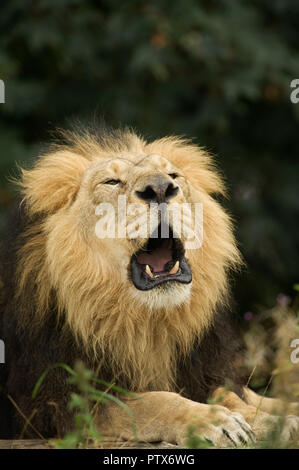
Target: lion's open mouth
x=161, y=260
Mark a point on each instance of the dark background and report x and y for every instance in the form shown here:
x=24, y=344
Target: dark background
x=218, y=71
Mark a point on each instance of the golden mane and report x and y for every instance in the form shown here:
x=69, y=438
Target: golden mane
x=139, y=341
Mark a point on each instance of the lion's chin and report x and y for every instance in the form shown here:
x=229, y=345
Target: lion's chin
x=161, y=298
x=160, y=263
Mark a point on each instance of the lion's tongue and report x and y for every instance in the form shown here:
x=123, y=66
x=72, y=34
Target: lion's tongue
x=157, y=258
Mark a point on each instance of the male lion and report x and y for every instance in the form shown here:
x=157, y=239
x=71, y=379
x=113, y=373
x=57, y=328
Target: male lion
x=146, y=312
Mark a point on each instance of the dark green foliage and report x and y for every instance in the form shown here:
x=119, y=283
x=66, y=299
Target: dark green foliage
x=218, y=71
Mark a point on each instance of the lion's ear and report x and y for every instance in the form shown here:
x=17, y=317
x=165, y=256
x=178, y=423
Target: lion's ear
x=53, y=182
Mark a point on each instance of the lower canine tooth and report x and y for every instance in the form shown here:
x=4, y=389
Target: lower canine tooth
x=148, y=271
x=175, y=268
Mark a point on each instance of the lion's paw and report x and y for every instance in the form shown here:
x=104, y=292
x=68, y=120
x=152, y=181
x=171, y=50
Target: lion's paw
x=286, y=427
x=290, y=428
x=223, y=428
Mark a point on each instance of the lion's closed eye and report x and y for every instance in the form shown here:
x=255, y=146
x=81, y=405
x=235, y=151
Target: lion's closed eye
x=112, y=182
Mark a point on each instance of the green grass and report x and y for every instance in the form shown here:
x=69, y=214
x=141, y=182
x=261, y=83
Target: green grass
x=84, y=404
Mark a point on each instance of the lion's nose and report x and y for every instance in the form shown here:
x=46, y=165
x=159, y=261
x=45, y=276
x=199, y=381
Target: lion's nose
x=157, y=190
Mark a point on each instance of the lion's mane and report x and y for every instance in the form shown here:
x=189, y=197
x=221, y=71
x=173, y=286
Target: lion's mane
x=53, y=276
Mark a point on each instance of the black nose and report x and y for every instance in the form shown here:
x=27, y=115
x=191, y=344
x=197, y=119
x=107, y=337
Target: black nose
x=158, y=190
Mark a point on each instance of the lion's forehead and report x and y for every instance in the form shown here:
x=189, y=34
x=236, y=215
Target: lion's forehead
x=156, y=161
x=128, y=164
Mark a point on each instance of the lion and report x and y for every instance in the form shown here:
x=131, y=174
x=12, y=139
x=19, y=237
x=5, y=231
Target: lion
x=148, y=312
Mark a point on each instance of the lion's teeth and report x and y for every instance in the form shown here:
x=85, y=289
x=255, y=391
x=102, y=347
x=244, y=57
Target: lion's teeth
x=148, y=271
x=175, y=268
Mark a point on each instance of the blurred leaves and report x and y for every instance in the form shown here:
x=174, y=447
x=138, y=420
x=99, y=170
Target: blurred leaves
x=219, y=71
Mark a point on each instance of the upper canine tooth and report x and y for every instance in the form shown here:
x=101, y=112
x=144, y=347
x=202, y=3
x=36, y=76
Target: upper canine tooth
x=148, y=271
x=175, y=268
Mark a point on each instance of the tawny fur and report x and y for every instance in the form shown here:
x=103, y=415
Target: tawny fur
x=68, y=295
x=141, y=337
